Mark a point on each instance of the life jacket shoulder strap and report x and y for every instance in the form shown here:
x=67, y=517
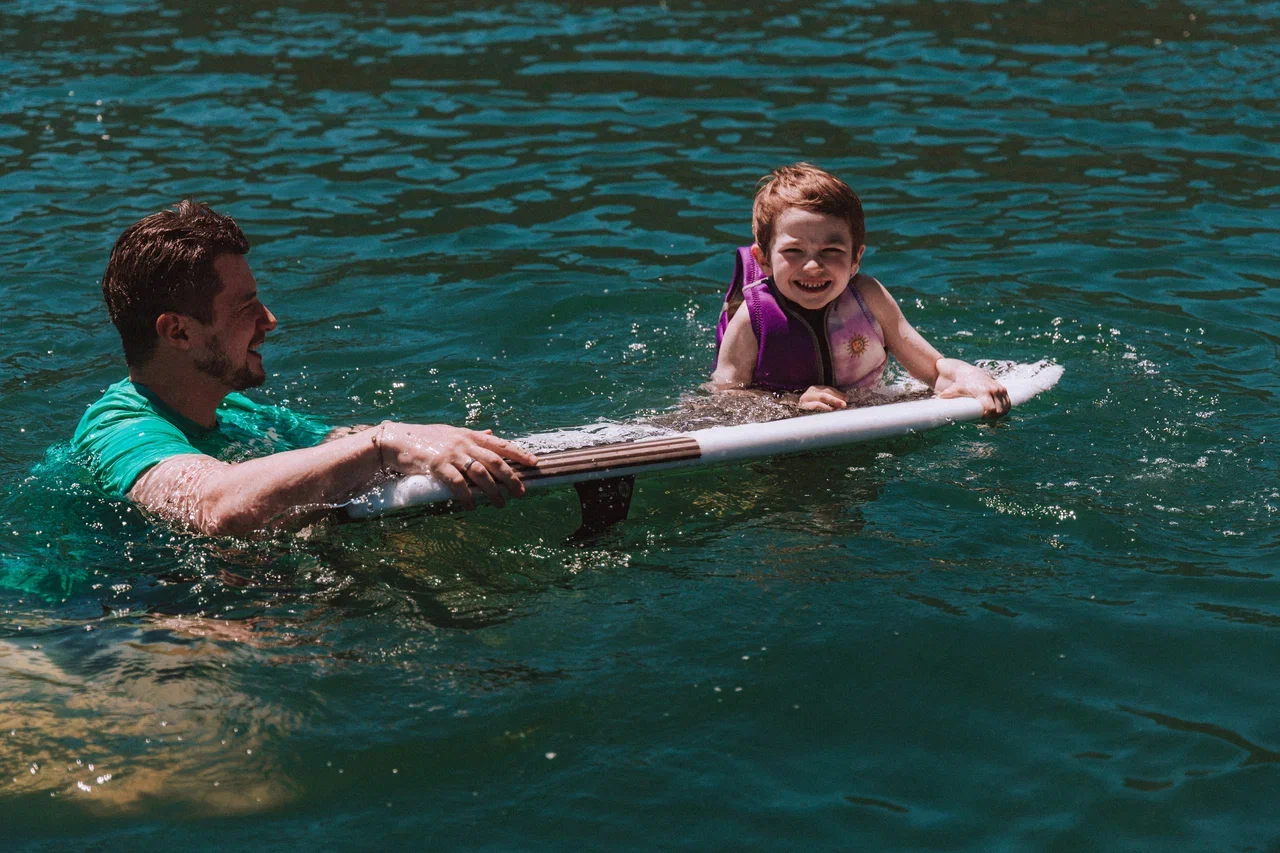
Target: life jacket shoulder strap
x=745, y=271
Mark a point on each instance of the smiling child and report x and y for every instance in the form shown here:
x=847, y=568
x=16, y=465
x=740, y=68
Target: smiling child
x=807, y=322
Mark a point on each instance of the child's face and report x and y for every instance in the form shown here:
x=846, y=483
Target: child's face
x=812, y=257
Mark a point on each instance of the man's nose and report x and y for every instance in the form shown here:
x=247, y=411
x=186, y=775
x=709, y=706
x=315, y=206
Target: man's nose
x=271, y=319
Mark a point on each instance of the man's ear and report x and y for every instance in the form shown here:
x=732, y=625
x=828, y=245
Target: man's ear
x=172, y=329
x=762, y=258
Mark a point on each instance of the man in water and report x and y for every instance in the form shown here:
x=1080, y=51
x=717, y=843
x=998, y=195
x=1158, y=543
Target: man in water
x=180, y=292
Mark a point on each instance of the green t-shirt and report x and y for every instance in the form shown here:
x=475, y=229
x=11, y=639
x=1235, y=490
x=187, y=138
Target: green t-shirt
x=130, y=429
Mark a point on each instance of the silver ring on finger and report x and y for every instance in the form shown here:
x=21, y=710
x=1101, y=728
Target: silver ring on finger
x=466, y=466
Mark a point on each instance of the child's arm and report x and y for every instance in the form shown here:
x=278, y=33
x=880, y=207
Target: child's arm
x=950, y=377
x=736, y=367
x=736, y=364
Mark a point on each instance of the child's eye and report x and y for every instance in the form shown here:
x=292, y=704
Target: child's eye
x=833, y=251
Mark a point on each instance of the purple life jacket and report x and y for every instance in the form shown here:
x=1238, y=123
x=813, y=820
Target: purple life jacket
x=789, y=357
x=745, y=271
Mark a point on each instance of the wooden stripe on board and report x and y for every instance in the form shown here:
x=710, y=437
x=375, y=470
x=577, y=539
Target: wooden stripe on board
x=607, y=457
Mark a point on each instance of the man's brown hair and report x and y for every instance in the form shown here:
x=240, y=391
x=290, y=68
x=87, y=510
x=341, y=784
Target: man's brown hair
x=807, y=187
x=164, y=263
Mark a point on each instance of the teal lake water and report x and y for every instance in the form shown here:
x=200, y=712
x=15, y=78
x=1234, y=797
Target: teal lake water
x=1060, y=632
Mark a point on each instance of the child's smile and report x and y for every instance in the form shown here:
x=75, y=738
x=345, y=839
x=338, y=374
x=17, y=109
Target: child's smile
x=811, y=286
x=812, y=257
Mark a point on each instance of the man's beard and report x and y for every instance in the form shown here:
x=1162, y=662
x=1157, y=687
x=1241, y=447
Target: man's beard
x=217, y=365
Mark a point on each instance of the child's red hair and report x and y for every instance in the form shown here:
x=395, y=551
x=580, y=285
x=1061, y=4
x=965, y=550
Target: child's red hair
x=807, y=187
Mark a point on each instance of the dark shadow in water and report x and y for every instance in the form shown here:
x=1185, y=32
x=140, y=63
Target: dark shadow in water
x=1254, y=754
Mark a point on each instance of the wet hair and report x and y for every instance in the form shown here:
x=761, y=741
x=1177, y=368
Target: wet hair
x=162, y=264
x=807, y=187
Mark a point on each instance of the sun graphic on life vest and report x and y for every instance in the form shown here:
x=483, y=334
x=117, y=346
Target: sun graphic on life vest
x=857, y=346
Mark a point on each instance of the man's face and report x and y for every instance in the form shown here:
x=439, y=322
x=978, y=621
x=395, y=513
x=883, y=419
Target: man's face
x=812, y=257
x=228, y=351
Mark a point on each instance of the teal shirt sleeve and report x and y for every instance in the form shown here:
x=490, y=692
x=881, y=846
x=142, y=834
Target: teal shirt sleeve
x=129, y=430
x=122, y=437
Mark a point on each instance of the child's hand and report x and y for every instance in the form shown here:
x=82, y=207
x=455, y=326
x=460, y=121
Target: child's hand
x=969, y=381
x=823, y=398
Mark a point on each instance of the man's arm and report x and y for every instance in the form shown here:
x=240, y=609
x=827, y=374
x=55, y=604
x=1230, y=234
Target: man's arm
x=222, y=498
x=344, y=431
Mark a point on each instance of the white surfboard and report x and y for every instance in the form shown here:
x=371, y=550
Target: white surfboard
x=667, y=450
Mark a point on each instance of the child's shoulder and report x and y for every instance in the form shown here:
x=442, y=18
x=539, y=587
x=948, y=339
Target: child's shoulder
x=869, y=288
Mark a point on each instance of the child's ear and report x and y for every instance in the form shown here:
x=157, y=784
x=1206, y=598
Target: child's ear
x=762, y=257
x=172, y=329
x=858, y=255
